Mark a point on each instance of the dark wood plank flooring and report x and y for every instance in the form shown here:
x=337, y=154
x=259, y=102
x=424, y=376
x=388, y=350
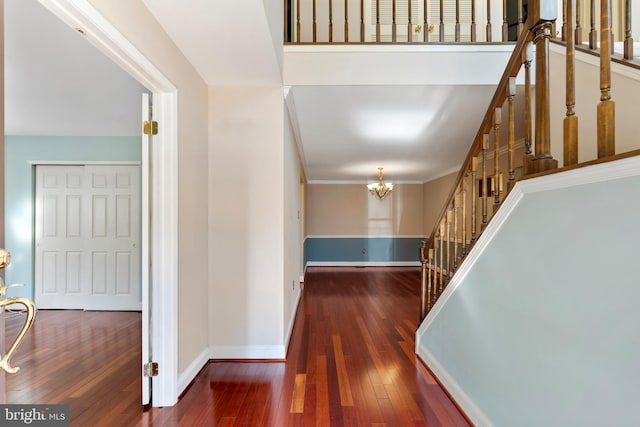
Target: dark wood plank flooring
x=351, y=362
x=88, y=360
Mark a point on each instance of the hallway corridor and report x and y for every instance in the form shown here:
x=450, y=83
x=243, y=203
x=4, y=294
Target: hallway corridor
x=351, y=362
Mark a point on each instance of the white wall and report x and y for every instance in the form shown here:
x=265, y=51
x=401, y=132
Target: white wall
x=625, y=83
x=293, y=224
x=135, y=22
x=413, y=64
x=275, y=20
x=246, y=222
x=539, y=325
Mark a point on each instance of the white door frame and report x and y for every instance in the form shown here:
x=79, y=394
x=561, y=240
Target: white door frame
x=80, y=14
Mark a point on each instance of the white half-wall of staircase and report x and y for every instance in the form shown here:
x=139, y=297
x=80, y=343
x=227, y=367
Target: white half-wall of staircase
x=539, y=326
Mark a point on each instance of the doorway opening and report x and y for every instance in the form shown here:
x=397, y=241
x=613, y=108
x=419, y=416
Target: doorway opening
x=162, y=180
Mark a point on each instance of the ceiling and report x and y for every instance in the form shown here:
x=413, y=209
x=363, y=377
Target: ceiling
x=416, y=132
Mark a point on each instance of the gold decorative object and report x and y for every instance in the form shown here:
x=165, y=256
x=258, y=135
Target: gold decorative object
x=380, y=189
x=5, y=258
x=31, y=313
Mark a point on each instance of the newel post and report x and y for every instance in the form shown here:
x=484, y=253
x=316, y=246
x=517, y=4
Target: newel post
x=543, y=14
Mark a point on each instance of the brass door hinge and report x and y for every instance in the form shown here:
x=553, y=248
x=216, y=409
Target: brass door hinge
x=151, y=369
x=150, y=127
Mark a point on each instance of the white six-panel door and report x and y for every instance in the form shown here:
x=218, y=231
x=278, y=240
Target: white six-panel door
x=87, y=237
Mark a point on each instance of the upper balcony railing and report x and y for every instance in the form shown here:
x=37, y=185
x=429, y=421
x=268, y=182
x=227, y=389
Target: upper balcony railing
x=585, y=26
x=403, y=21
x=447, y=21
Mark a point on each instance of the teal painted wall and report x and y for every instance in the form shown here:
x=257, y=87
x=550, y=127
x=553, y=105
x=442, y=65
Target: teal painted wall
x=362, y=249
x=19, y=208
x=543, y=329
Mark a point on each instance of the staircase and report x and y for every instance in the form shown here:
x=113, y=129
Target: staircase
x=528, y=275
x=551, y=112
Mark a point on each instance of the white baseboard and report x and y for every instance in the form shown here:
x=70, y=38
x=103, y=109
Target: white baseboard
x=186, y=376
x=292, y=321
x=362, y=264
x=477, y=417
x=277, y=352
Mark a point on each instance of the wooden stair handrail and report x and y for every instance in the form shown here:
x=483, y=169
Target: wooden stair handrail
x=537, y=30
x=511, y=70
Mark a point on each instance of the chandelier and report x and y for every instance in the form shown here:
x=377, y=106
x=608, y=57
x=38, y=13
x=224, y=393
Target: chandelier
x=380, y=188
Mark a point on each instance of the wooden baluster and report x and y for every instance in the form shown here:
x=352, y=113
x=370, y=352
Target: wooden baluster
x=570, y=124
x=564, y=20
x=441, y=28
x=425, y=27
x=315, y=25
x=425, y=285
x=330, y=21
x=520, y=20
x=485, y=148
x=474, y=203
x=464, y=214
x=612, y=38
x=543, y=160
x=505, y=24
x=527, y=59
x=448, y=254
x=441, y=247
x=457, y=28
x=606, y=107
x=362, y=21
x=578, y=34
x=409, y=26
x=377, y=21
x=430, y=279
x=298, y=21
x=473, y=21
x=628, y=41
x=289, y=33
x=456, y=209
x=488, y=21
x=497, y=121
x=393, y=21
x=511, y=91
x=593, y=33
x=346, y=21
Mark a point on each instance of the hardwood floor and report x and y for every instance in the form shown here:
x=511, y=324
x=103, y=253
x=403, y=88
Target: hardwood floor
x=88, y=360
x=351, y=362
